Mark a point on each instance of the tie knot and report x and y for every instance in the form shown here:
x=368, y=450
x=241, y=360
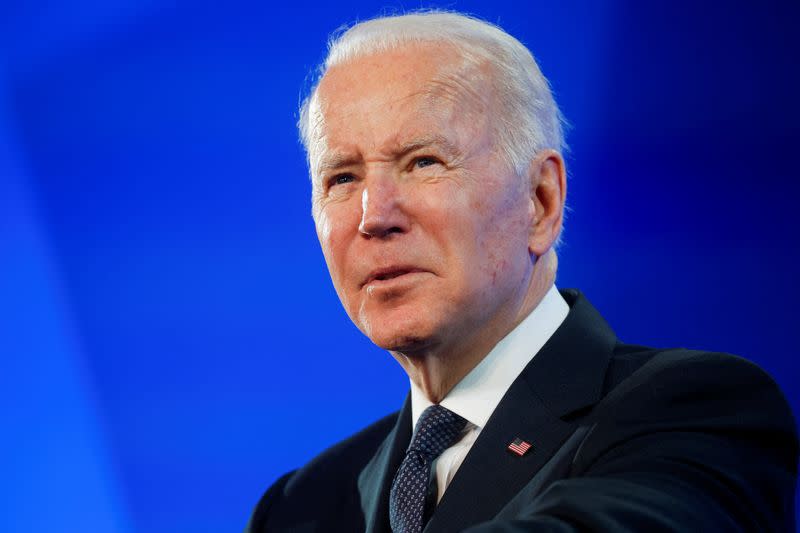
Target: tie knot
x=437, y=429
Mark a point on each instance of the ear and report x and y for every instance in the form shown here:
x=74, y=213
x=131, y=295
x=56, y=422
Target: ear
x=548, y=179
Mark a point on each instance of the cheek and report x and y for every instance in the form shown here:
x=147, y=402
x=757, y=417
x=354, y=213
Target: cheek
x=324, y=226
x=502, y=230
x=329, y=241
x=336, y=236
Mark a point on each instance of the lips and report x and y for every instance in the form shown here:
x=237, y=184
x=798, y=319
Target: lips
x=384, y=274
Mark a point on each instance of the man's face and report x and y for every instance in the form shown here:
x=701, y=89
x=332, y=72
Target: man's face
x=423, y=227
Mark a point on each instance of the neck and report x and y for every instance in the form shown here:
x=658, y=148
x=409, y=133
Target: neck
x=437, y=369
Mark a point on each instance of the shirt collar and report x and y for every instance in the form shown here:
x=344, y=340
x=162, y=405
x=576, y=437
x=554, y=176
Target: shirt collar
x=477, y=395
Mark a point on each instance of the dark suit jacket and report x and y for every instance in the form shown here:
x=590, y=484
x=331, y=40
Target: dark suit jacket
x=624, y=438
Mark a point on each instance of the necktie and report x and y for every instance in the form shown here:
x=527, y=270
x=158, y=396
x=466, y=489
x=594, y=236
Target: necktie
x=437, y=430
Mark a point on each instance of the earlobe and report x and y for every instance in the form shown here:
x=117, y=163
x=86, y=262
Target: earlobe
x=548, y=194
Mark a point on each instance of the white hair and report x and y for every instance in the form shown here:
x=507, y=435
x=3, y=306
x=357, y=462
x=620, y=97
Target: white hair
x=529, y=119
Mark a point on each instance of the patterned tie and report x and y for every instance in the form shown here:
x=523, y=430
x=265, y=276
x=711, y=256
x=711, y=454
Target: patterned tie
x=437, y=430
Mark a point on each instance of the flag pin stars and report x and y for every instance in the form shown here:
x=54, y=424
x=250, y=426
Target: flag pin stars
x=519, y=447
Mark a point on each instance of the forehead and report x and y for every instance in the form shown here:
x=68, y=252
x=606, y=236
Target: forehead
x=388, y=98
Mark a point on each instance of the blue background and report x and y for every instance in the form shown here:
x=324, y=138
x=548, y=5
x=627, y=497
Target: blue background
x=166, y=317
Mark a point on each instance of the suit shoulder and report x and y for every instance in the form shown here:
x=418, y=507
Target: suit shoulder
x=632, y=366
x=693, y=385
x=638, y=364
x=708, y=424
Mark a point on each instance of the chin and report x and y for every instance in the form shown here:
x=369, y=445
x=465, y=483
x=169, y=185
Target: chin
x=398, y=334
x=403, y=344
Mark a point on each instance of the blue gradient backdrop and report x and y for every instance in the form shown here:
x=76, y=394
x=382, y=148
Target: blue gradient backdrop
x=165, y=313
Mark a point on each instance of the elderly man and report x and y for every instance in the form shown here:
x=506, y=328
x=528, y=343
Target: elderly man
x=438, y=195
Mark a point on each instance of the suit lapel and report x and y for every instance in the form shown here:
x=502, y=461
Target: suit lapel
x=491, y=474
x=564, y=377
x=375, y=480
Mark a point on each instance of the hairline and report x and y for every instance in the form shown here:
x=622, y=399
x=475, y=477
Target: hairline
x=449, y=73
x=533, y=121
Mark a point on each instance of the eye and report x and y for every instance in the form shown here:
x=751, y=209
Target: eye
x=425, y=161
x=341, y=179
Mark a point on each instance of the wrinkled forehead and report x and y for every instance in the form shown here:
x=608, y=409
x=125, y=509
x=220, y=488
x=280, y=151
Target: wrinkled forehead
x=410, y=88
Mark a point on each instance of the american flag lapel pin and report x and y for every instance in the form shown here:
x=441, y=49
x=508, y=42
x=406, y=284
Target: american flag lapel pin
x=519, y=447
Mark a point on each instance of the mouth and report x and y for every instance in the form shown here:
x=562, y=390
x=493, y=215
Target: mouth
x=390, y=273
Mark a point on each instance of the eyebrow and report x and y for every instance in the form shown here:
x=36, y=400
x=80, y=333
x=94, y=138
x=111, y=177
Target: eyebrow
x=335, y=161
x=338, y=160
x=428, y=140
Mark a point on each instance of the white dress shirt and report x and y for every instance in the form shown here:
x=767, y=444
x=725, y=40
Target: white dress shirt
x=477, y=395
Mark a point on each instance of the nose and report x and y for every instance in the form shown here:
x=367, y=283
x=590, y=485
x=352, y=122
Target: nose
x=382, y=210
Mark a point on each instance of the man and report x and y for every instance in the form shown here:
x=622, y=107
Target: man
x=438, y=196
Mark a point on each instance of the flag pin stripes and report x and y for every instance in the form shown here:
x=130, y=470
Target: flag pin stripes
x=519, y=447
